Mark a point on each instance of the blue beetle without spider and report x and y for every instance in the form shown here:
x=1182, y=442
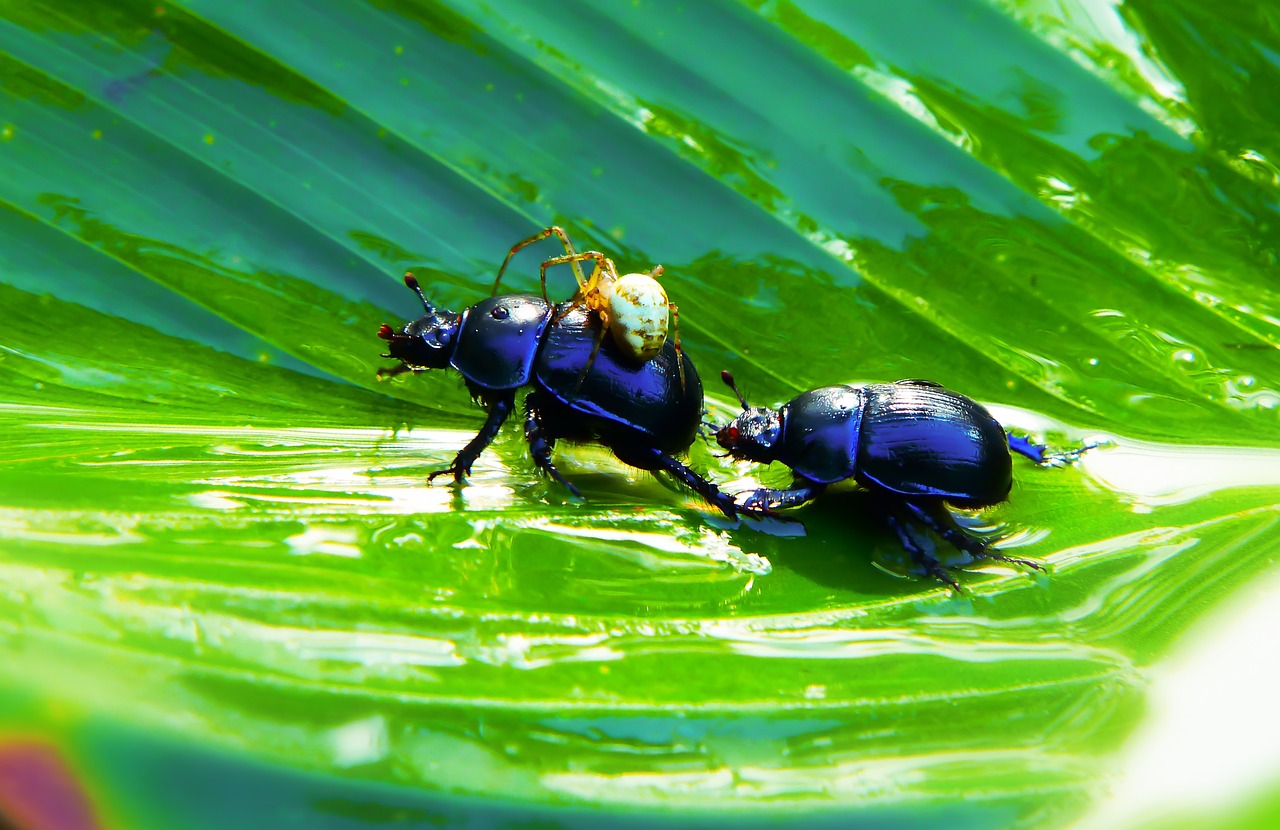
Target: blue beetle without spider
x=914, y=444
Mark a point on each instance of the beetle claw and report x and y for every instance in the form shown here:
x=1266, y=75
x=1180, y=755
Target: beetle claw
x=1011, y=560
x=458, y=469
x=940, y=573
x=1065, y=458
x=752, y=507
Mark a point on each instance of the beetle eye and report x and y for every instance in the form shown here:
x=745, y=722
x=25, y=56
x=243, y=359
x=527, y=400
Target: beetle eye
x=733, y=434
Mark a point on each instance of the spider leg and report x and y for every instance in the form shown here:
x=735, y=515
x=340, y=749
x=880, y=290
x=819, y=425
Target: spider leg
x=542, y=234
x=585, y=286
x=675, y=331
x=594, y=351
x=564, y=312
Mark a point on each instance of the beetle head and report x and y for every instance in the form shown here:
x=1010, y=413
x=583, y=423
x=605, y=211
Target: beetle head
x=426, y=343
x=754, y=434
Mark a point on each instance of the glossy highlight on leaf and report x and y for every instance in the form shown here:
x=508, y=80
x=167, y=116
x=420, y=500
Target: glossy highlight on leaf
x=222, y=568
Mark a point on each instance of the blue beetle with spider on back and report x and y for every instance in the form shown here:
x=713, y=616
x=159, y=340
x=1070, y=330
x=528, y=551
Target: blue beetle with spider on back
x=634, y=392
x=914, y=444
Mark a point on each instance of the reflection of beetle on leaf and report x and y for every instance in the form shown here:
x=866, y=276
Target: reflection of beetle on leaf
x=633, y=307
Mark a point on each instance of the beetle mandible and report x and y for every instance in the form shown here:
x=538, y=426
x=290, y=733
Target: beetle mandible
x=913, y=443
x=641, y=412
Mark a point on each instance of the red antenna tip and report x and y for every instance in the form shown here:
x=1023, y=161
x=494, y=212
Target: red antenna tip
x=411, y=281
x=386, y=332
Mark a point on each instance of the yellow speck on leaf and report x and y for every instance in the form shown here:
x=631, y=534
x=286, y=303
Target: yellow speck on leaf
x=208, y=138
x=617, y=232
x=399, y=50
x=97, y=135
x=6, y=132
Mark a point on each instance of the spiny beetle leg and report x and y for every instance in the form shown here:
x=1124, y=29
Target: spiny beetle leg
x=936, y=516
x=541, y=444
x=651, y=458
x=1044, y=456
x=766, y=499
x=500, y=406
x=922, y=557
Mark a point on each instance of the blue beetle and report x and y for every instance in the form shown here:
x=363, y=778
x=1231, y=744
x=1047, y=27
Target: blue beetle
x=913, y=443
x=643, y=412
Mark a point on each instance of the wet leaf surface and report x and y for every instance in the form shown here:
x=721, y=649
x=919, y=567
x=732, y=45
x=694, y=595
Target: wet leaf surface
x=215, y=529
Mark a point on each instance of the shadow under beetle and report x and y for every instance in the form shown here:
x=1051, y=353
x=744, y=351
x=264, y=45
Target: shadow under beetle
x=913, y=443
x=642, y=412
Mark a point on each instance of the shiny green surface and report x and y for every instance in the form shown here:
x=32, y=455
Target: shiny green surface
x=214, y=524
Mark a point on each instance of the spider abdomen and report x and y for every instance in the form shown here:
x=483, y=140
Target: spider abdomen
x=638, y=313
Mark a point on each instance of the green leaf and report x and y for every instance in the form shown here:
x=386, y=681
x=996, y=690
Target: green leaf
x=215, y=528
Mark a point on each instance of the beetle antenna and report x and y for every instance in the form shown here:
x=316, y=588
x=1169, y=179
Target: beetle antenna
x=728, y=380
x=412, y=281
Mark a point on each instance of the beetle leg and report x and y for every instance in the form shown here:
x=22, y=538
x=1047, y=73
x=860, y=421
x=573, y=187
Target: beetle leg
x=1042, y=455
x=938, y=519
x=921, y=556
x=541, y=444
x=765, y=499
x=675, y=331
x=542, y=234
x=499, y=408
x=1023, y=445
x=651, y=458
x=383, y=374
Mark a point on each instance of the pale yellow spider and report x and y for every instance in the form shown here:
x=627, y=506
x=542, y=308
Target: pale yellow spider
x=634, y=307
